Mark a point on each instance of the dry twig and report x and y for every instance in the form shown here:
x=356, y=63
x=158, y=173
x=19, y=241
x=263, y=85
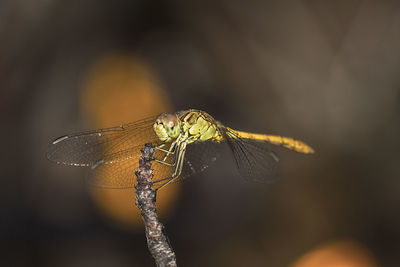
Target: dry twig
x=157, y=240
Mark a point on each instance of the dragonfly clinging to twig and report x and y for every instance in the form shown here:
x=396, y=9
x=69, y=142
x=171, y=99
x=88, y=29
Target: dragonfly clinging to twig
x=183, y=143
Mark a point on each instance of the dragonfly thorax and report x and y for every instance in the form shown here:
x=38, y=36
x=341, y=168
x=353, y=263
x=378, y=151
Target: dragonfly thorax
x=167, y=127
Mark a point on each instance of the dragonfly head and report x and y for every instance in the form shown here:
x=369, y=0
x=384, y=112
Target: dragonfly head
x=167, y=127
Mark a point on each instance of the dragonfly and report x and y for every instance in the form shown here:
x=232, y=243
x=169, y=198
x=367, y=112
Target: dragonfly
x=185, y=142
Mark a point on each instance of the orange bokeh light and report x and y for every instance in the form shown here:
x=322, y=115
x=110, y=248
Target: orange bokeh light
x=120, y=89
x=337, y=254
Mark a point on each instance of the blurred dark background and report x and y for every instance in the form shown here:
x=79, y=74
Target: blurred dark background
x=326, y=72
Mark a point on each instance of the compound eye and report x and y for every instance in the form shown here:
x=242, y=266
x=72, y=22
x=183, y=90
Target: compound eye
x=171, y=124
x=169, y=120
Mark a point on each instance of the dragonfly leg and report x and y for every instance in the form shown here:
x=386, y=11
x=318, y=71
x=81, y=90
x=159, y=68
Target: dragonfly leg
x=159, y=147
x=178, y=169
x=171, y=150
x=163, y=161
x=162, y=180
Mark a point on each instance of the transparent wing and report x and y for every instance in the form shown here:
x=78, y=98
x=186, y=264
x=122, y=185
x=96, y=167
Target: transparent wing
x=87, y=148
x=255, y=161
x=112, y=153
x=198, y=157
x=121, y=173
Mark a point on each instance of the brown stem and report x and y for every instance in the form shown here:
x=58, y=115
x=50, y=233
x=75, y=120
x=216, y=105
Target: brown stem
x=157, y=240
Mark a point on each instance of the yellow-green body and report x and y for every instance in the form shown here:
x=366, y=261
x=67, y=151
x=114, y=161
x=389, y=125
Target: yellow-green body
x=197, y=125
x=186, y=127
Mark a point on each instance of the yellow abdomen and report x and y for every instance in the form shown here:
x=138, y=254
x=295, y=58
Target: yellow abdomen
x=286, y=142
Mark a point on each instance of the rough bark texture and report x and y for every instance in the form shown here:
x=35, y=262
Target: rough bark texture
x=157, y=240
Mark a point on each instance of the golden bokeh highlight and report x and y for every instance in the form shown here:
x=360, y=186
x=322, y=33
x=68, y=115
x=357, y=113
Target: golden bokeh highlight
x=120, y=89
x=337, y=254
